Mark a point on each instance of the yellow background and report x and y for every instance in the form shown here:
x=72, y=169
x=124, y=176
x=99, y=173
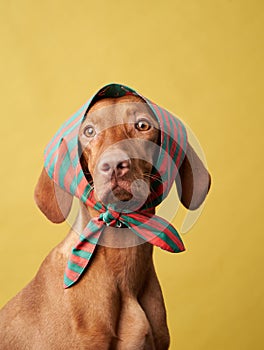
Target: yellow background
x=201, y=59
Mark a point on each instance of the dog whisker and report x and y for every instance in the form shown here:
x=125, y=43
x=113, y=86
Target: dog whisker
x=153, y=177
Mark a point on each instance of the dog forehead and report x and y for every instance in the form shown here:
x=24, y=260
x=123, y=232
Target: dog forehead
x=118, y=110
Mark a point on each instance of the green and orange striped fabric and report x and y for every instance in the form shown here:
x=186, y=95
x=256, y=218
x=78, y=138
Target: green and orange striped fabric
x=63, y=167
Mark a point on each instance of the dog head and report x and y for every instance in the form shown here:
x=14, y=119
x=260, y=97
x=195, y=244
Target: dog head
x=119, y=141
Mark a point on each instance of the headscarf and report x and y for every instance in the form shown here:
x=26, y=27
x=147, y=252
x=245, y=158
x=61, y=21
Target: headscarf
x=62, y=163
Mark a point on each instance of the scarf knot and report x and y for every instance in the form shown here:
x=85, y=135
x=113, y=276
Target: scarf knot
x=110, y=217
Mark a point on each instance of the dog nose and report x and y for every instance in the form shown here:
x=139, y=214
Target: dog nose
x=114, y=162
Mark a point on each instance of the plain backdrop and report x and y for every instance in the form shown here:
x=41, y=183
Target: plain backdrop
x=202, y=60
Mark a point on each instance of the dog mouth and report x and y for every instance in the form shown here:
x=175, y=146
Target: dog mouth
x=119, y=193
x=127, y=193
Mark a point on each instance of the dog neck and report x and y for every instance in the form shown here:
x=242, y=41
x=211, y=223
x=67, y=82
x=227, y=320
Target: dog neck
x=119, y=251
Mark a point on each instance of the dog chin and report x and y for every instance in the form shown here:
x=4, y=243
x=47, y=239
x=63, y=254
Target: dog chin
x=122, y=199
x=115, y=195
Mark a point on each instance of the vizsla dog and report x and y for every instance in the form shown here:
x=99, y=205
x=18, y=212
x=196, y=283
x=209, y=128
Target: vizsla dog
x=117, y=303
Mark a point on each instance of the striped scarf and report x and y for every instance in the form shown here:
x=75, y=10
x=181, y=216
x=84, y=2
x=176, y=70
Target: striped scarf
x=63, y=167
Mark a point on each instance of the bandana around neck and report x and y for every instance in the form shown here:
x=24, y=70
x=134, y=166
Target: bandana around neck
x=63, y=167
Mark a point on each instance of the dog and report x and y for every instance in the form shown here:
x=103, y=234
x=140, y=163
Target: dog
x=118, y=302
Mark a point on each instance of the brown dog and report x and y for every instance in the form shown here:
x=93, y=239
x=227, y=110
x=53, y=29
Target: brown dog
x=118, y=303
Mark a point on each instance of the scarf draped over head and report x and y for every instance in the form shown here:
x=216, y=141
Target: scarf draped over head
x=62, y=163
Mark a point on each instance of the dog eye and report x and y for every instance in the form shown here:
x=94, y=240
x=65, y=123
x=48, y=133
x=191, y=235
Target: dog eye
x=143, y=125
x=89, y=131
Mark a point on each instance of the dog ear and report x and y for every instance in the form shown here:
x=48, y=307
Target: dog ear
x=193, y=180
x=54, y=202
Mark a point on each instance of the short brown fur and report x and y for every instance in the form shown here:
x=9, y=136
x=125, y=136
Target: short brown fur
x=118, y=303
